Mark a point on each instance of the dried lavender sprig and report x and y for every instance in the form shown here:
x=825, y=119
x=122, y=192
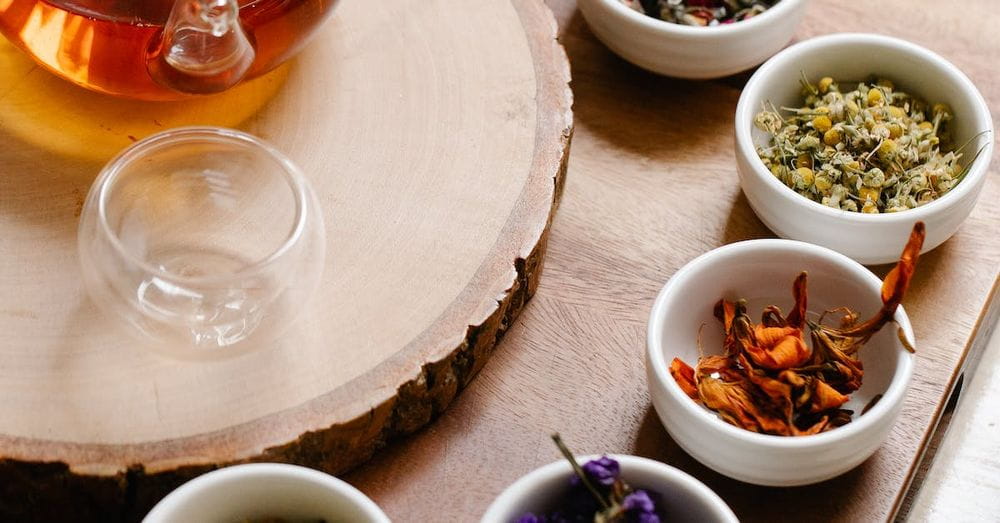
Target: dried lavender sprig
x=579, y=471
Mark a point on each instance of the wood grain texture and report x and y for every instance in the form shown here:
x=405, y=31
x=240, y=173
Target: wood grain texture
x=438, y=159
x=651, y=184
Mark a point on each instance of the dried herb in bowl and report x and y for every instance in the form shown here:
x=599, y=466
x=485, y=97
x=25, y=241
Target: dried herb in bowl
x=768, y=380
x=873, y=149
x=598, y=494
x=701, y=13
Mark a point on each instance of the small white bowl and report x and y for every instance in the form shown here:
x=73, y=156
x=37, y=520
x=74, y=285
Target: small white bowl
x=762, y=271
x=683, y=497
x=868, y=238
x=259, y=490
x=692, y=52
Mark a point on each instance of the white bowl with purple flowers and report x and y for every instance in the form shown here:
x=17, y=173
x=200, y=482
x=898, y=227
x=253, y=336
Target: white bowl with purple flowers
x=656, y=493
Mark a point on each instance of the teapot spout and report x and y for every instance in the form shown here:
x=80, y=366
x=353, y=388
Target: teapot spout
x=203, y=48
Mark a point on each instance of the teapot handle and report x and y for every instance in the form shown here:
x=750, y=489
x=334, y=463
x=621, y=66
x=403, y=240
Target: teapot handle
x=203, y=48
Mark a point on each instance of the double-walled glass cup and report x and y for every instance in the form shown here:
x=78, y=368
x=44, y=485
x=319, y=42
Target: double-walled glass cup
x=207, y=241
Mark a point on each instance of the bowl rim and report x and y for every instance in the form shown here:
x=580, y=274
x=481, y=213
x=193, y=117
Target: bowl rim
x=560, y=469
x=745, y=113
x=782, y=8
x=657, y=366
x=236, y=474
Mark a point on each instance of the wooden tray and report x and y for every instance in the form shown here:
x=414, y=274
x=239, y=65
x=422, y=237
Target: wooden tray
x=652, y=183
x=436, y=136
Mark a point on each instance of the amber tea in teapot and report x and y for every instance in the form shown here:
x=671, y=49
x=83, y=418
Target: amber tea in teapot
x=161, y=49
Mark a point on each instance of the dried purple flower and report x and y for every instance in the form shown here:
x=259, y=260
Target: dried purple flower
x=638, y=501
x=639, y=508
x=603, y=471
x=597, y=493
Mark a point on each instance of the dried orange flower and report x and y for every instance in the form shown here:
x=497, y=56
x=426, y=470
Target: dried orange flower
x=769, y=380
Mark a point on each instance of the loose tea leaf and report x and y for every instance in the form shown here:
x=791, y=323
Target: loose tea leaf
x=701, y=13
x=873, y=149
x=769, y=380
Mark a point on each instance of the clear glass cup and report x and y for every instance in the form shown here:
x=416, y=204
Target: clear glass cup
x=206, y=240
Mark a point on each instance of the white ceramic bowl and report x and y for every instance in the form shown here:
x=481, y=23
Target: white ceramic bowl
x=258, y=490
x=692, y=52
x=683, y=497
x=868, y=238
x=762, y=271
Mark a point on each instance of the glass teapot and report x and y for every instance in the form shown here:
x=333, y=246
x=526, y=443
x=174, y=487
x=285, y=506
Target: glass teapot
x=161, y=49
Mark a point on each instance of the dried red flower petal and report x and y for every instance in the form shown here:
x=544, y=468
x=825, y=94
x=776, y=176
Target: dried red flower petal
x=684, y=376
x=797, y=317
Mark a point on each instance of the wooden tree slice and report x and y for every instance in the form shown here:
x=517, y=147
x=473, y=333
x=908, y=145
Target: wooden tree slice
x=436, y=137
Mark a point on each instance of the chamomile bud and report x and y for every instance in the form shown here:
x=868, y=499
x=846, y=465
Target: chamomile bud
x=822, y=123
x=824, y=84
x=875, y=97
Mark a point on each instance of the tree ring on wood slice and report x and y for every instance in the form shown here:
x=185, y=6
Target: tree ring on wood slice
x=438, y=157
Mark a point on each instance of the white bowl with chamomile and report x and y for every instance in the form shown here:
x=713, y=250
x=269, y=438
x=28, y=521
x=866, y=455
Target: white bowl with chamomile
x=867, y=238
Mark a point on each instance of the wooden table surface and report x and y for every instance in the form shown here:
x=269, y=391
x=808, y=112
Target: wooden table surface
x=651, y=184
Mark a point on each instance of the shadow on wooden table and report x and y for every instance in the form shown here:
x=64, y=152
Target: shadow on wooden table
x=743, y=224
x=667, y=118
x=749, y=502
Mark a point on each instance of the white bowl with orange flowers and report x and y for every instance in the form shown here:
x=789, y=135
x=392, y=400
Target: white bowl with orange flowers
x=683, y=325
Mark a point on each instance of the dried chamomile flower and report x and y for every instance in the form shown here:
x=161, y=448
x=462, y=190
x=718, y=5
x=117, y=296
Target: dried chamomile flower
x=872, y=149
